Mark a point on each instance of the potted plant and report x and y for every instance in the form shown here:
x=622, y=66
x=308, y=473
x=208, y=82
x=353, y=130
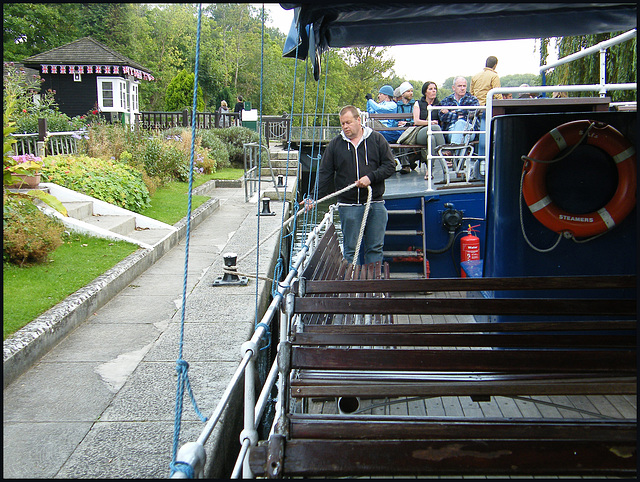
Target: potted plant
x=25, y=171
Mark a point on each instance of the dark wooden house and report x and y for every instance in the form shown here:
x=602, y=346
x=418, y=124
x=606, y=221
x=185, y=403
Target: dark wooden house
x=86, y=74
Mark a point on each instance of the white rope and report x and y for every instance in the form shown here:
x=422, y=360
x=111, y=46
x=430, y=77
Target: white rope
x=356, y=255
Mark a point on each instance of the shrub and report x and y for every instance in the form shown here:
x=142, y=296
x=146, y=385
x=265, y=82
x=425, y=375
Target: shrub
x=181, y=138
x=107, y=180
x=164, y=160
x=179, y=93
x=217, y=148
x=234, y=138
x=110, y=140
x=28, y=235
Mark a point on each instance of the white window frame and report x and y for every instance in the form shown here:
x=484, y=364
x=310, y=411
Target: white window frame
x=118, y=88
x=135, y=106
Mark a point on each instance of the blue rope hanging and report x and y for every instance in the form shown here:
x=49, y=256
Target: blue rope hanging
x=182, y=366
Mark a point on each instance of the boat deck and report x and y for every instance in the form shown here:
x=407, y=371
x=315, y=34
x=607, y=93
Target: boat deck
x=397, y=378
x=556, y=406
x=413, y=184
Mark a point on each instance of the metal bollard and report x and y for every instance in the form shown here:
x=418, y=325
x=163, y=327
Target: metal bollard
x=230, y=278
x=266, y=211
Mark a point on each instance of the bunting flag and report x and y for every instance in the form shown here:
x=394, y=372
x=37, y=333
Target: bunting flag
x=96, y=69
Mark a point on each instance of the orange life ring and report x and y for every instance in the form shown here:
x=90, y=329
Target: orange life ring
x=548, y=147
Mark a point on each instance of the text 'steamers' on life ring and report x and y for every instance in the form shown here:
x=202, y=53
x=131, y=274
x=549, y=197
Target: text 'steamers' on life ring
x=553, y=143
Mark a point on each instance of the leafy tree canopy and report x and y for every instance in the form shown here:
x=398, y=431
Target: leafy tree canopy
x=235, y=61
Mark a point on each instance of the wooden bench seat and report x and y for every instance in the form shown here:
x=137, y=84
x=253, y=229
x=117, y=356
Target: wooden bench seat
x=328, y=264
x=580, y=346
x=338, y=445
x=395, y=117
x=569, y=356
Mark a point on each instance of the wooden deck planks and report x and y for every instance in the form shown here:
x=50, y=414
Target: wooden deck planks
x=412, y=312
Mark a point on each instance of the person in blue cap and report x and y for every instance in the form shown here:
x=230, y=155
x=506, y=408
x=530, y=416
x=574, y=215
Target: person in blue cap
x=385, y=105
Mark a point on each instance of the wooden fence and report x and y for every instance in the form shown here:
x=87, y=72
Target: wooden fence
x=204, y=120
x=274, y=128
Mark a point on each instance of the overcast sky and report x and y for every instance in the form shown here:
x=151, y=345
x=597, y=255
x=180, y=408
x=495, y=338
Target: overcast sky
x=445, y=60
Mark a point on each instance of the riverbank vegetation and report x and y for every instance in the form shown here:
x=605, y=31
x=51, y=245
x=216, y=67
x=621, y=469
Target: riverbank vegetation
x=162, y=37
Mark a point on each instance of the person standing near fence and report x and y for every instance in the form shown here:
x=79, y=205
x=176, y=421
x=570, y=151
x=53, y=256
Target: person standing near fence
x=238, y=108
x=224, y=110
x=481, y=84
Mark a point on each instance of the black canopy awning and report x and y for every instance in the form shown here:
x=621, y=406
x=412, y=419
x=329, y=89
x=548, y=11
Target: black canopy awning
x=332, y=24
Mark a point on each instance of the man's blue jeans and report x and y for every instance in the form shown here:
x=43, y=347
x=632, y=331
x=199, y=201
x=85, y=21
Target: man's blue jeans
x=373, y=240
x=459, y=125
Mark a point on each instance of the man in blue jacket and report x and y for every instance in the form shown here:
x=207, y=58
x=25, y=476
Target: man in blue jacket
x=357, y=155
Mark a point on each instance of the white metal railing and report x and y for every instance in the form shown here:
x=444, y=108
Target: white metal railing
x=253, y=169
x=601, y=88
x=548, y=88
x=601, y=48
x=63, y=142
x=193, y=453
x=465, y=133
x=56, y=143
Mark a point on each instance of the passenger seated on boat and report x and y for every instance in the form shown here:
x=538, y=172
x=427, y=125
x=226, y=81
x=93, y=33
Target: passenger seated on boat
x=405, y=104
x=357, y=155
x=456, y=119
x=385, y=105
x=420, y=116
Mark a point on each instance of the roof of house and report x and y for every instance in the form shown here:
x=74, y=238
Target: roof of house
x=81, y=52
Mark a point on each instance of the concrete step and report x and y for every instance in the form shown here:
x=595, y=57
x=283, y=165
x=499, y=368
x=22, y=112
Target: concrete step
x=98, y=218
x=279, y=171
x=115, y=223
x=79, y=209
x=282, y=163
x=277, y=153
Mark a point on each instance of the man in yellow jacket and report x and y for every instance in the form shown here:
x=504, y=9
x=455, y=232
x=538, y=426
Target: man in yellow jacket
x=481, y=84
x=484, y=81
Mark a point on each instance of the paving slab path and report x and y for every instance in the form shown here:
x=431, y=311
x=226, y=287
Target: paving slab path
x=101, y=403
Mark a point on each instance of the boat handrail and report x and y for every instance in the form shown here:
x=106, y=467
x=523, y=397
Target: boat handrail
x=192, y=453
x=599, y=47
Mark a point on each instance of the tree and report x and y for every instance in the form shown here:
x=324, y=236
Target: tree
x=369, y=69
x=32, y=28
x=180, y=93
x=621, y=64
x=110, y=23
x=516, y=80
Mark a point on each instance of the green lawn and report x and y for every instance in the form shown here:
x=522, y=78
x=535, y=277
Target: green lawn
x=29, y=291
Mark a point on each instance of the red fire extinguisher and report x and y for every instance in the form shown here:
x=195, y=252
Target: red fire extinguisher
x=469, y=247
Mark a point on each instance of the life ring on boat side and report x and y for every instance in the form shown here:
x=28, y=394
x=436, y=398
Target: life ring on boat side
x=548, y=147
